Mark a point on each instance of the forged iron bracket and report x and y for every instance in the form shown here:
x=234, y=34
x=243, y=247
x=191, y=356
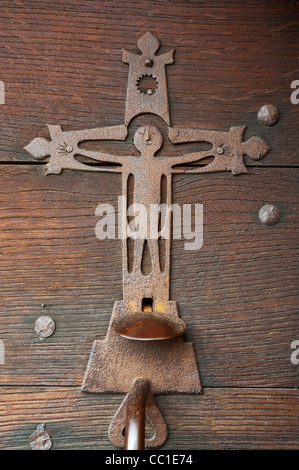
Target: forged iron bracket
x=152, y=414
x=145, y=338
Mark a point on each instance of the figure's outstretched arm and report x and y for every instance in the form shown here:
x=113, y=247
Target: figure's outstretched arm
x=64, y=146
x=227, y=152
x=189, y=157
x=101, y=157
x=216, y=165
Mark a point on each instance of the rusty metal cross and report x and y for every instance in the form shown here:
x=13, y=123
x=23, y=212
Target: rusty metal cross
x=169, y=365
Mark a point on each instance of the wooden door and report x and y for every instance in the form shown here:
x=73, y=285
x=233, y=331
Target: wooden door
x=60, y=62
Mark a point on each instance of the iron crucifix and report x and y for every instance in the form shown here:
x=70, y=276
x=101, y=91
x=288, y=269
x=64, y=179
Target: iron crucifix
x=169, y=365
x=147, y=170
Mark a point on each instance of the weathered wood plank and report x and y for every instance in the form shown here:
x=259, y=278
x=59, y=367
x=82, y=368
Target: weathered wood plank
x=238, y=294
x=61, y=64
x=219, y=419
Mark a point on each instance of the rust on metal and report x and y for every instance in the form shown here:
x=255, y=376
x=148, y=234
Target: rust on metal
x=149, y=326
x=228, y=149
x=154, y=98
x=40, y=439
x=170, y=365
x=135, y=420
x=64, y=146
x=146, y=341
x=268, y=115
x=269, y=214
x=44, y=327
x=140, y=390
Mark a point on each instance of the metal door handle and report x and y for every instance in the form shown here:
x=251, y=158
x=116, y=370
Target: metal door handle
x=135, y=421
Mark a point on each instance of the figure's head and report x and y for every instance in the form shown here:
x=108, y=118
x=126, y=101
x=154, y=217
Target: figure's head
x=148, y=139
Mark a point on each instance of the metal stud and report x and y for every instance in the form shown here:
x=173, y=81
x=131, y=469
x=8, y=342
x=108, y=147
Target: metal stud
x=268, y=115
x=40, y=439
x=269, y=214
x=44, y=327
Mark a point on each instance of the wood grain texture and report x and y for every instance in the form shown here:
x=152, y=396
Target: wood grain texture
x=238, y=294
x=219, y=419
x=61, y=64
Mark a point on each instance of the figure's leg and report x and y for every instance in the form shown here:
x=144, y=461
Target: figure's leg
x=138, y=252
x=155, y=256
